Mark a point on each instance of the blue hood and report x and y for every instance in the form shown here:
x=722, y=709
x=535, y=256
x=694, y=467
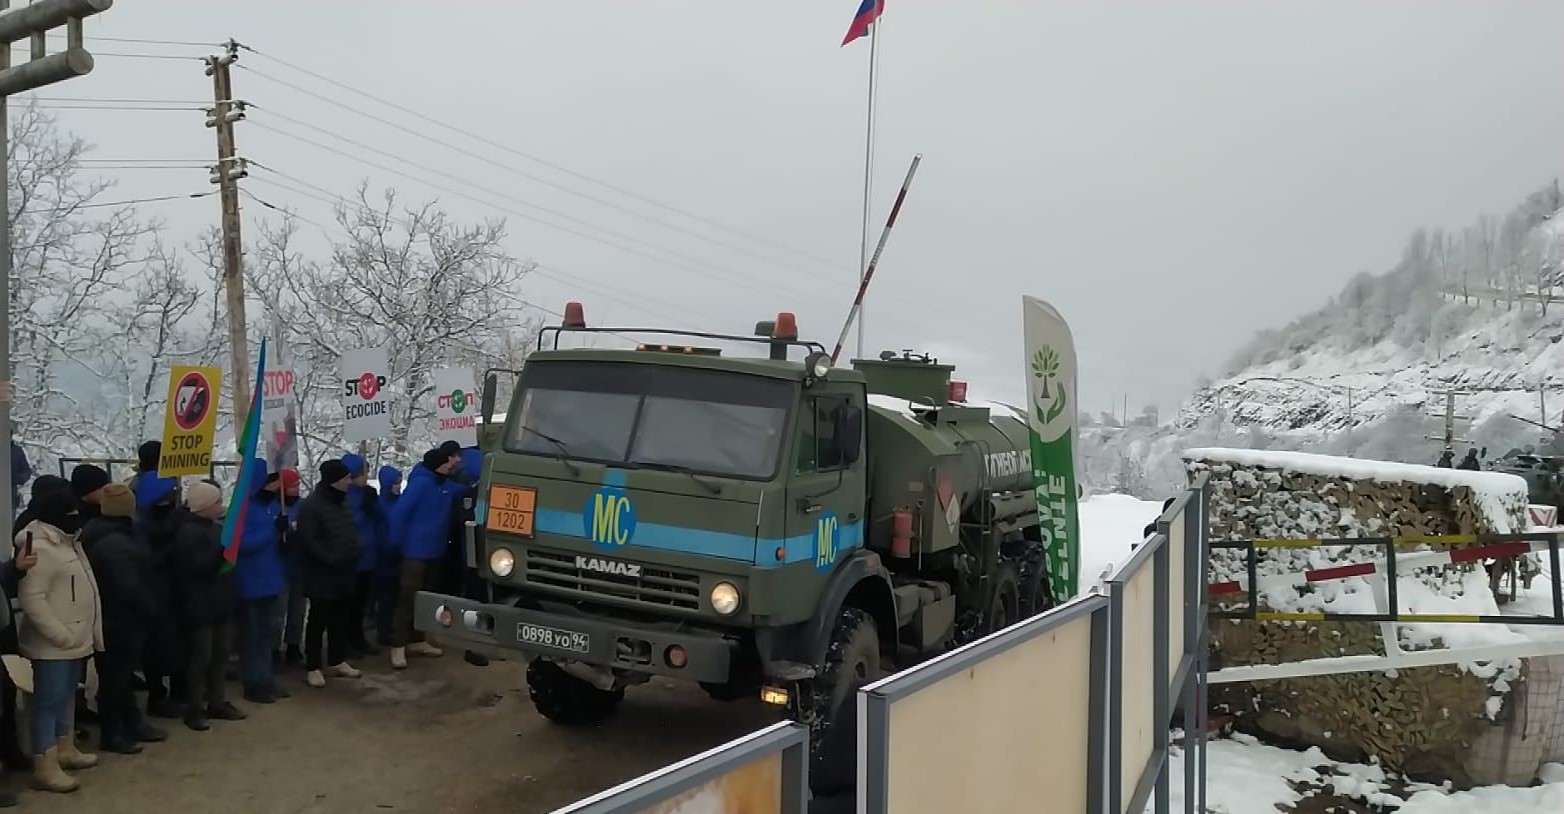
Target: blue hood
x=472, y=463
x=150, y=489
x=354, y=462
x=388, y=476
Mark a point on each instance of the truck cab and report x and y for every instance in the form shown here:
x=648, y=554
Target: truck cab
x=668, y=510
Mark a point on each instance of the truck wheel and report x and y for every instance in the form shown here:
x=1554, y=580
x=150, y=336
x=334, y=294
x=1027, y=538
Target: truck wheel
x=852, y=661
x=1036, y=596
x=1004, y=608
x=565, y=699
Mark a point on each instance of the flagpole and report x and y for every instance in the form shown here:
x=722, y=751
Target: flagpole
x=868, y=169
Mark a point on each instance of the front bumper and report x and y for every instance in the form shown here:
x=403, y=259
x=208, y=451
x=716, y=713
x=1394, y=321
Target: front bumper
x=608, y=642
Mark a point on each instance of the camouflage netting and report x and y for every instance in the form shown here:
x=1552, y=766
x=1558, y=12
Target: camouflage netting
x=1420, y=720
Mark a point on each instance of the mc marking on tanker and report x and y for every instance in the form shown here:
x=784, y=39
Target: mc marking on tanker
x=609, y=517
x=826, y=530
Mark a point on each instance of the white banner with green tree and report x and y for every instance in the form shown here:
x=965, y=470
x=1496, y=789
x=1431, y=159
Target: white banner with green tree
x=1051, y=411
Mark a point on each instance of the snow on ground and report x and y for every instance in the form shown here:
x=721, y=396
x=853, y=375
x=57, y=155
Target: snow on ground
x=1245, y=776
x=1110, y=524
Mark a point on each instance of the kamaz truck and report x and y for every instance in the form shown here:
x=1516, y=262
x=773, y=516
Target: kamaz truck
x=767, y=525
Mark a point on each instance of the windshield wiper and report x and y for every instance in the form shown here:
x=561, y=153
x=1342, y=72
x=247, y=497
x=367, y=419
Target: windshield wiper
x=714, y=488
x=564, y=451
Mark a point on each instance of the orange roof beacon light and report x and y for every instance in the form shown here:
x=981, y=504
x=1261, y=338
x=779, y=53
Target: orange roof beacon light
x=786, y=326
x=575, y=317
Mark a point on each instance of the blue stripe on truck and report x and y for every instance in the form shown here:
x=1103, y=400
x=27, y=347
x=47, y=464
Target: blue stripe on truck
x=705, y=542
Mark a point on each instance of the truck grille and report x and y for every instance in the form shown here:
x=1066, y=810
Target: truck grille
x=655, y=586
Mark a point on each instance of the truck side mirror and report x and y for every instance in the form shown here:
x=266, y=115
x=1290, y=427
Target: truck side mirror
x=490, y=385
x=849, y=433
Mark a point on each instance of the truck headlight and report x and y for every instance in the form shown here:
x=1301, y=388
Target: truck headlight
x=502, y=562
x=724, y=598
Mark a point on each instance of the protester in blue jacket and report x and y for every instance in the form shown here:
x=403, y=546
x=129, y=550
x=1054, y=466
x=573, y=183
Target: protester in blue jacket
x=388, y=565
x=157, y=521
x=261, y=580
x=368, y=516
x=423, y=531
x=462, y=580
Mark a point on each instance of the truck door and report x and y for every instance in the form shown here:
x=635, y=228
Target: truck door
x=826, y=512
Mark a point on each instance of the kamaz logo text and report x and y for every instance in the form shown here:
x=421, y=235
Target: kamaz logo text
x=623, y=569
x=1008, y=464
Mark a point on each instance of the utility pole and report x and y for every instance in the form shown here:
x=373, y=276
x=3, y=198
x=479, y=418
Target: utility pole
x=230, y=168
x=31, y=22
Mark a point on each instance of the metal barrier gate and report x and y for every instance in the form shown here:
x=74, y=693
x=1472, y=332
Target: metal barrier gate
x=1382, y=574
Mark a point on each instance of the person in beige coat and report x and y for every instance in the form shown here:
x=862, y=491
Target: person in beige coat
x=62, y=626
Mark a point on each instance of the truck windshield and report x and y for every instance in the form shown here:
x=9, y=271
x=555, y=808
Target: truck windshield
x=639, y=415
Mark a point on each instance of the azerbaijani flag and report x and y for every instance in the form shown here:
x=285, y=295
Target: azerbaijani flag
x=869, y=12
x=233, y=523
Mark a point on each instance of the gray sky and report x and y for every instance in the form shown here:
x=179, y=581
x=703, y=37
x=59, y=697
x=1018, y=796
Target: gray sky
x=1171, y=175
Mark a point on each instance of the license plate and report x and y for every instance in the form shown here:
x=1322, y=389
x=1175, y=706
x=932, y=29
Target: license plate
x=512, y=509
x=558, y=638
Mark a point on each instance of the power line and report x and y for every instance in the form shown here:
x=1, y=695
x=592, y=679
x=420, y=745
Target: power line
x=530, y=157
x=714, y=273
x=158, y=108
x=81, y=100
x=142, y=56
x=143, y=41
x=489, y=159
x=541, y=270
x=129, y=202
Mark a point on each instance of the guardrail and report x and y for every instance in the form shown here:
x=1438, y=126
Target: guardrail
x=1073, y=706
x=766, y=772
x=129, y=467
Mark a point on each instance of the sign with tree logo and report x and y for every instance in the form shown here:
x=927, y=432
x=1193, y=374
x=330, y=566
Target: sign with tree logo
x=455, y=406
x=1051, y=411
x=189, y=421
x=366, y=406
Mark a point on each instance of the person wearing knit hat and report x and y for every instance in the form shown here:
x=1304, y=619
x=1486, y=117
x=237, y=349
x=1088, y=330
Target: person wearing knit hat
x=421, y=525
x=292, y=605
x=208, y=601
x=331, y=547
x=371, y=527
x=87, y=481
x=261, y=575
x=122, y=565
x=159, y=516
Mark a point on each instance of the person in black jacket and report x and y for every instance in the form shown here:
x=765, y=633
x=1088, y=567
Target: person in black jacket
x=122, y=565
x=158, y=518
x=87, y=482
x=1470, y=461
x=208, y=601
x=21, y=470
x=329, y=537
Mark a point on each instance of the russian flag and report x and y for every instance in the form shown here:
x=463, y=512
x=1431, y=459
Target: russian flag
x=869, y=12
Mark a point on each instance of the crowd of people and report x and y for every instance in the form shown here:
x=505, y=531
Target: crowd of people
x=134, y=579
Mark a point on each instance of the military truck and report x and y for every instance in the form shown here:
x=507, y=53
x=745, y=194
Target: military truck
x=767, y=524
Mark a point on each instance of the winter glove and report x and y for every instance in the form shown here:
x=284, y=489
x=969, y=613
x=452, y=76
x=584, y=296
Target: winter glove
x=281, y=524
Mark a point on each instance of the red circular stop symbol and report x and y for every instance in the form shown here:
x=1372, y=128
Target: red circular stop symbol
x=368, y=386
x=192, y=401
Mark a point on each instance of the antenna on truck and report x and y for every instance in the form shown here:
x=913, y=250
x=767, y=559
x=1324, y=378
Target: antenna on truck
x=868, y=272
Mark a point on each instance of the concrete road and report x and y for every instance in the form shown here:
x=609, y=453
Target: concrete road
x=441, y=736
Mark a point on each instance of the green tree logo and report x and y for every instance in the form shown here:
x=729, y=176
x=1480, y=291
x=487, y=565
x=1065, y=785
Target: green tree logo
x=1050, y=403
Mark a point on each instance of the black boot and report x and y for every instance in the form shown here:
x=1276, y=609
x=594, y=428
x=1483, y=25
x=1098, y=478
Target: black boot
x=475, y=659
x=164, y=708
x=7, y=799
x=195, y=718
x=293, y=656
x=147, y=733
x=225, y=711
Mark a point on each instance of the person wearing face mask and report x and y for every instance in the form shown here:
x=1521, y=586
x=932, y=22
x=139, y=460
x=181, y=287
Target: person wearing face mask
x=207, y=606
x=62, y=626
x=330, y=543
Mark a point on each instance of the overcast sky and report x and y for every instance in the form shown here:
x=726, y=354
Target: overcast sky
x=1171, y=175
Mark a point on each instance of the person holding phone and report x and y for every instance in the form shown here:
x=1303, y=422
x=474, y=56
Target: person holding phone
x=62, y=626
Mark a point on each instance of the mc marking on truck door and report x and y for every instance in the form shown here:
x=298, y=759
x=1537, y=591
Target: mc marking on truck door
x=825, y=541
x=609, y=517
